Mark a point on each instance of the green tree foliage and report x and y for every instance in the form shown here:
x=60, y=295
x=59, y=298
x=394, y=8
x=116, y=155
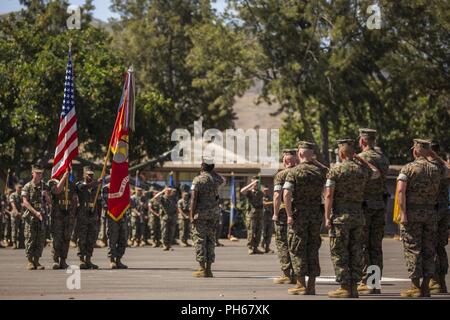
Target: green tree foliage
x=331, y=74
x=176, y=48
x=33, y=54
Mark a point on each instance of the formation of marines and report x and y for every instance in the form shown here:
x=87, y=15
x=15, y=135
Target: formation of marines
x=349, y=199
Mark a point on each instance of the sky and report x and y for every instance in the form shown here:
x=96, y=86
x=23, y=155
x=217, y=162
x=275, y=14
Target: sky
x=101, y=11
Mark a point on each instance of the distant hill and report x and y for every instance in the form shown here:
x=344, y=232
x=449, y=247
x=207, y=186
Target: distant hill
x=251, y=115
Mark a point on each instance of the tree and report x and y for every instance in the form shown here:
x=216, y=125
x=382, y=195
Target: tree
x=331, y=74
x=33, y=52
x=176, y=47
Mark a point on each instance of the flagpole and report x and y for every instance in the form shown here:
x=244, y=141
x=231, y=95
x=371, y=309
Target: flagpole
x=66, y=193
x=66, y=187
x=231, y=207
x=103, y=174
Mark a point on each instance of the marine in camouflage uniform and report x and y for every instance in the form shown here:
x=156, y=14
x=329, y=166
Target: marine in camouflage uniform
x=303, y=196
x=3, y=203
x=183, y=219
x=154, y=210
x=63, y=218
x=437, y=284
x=7, y=218
x=35, y=198
x=17, y=223
x=254, y=215
x=418, y=190
x=117, y=232
x=87, y=218
x=374, y=207
x=344, y=195
x=204, y=216
x=136, y=217
x=280, y=218
x=168, y=204
x=267, y=230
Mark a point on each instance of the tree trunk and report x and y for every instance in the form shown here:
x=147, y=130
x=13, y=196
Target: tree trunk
x=323, y=120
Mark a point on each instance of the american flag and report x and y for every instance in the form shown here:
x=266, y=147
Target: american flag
x=67, y=143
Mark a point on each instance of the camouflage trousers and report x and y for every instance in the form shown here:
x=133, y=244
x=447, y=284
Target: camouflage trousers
x=373, y=233
x=7, y=227
x=281, y=241
x=155, y=228
x=346, y=236
x=185, y=229
x=136, y=228
x=145, y=227
x=74, y=237
x=219, y=227
x=419, y=242
x=254, y=231
x=168, y=226
x=204, y=238
x=267, y=232
x=17, y=230
x=304, y=242
x=117, y=237
x=87, y=234
x=34, y=237
x=62, y=227
x=441, y=259
x=102, y=226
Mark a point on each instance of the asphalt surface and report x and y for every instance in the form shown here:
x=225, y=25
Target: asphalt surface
x=157, y=274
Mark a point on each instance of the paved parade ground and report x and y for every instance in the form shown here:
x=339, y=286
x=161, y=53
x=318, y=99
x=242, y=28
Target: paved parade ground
x=156, y=274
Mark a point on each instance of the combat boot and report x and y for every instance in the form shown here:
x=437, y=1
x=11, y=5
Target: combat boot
x=83, y=264
x=184, y=244
x=283, y=279
x=141, y=243
x=155, y=245
x=311, y=287
x=166, y=248
x=300, y=288
x=120, y=265
x=208, y=271
x=344, y=291
x=134, y=244
x=257, y=251
x=354, y=290
x=89, y=263
x=442, y=283
x=149, y=242
x=101, y=243
x=30, y=264
x=37, y=264
x=414, y=291
x=201, y=272
x=363, y=288
x=63, y=264
x=113, y=264
x=218, y=244
x=56, y=265
x=425, y=287
x=129, y=242
x=15, y=246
